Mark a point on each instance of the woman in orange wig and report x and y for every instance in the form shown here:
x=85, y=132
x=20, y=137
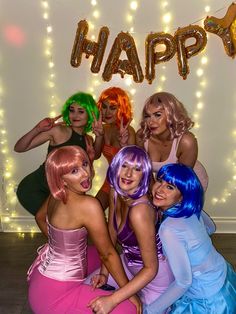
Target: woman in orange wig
x=112, y=130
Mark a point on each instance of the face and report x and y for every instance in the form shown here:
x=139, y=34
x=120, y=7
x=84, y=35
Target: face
x=109, y=112
x=129, y=177
x=156, y=120
x=78, y=116
x=79, y=179
x=165, y=195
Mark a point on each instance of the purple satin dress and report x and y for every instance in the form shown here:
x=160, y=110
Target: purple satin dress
x=133, y=263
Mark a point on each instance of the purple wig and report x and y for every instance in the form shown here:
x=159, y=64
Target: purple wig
x=130, y=154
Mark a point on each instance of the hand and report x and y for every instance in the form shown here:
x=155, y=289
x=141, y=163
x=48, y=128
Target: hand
x=98, y=280
x=102, y=305
x=138, y=304
x=47, y=123
x=124, y=133
x=97, y=125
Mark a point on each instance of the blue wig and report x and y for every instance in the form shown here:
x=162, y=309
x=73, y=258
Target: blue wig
x=187, y=182
x=130, y=154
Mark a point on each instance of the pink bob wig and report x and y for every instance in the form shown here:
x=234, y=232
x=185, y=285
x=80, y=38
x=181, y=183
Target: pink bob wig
x=117, y=97
x=59, y=162
x=178, y=120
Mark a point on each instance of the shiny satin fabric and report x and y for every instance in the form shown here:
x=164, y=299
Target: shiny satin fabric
x=66, y=256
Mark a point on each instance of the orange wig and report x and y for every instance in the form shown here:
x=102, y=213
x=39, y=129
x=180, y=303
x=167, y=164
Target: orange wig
x=118, y=97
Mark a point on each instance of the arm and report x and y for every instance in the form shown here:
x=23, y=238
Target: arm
x=175, y=250
x=139, y=138
x=99, y=133
x=95, y=223
x=142, y=220
x=101, y=278
x=132, y=137
x=208, y=222
x=40, y=134
x=98, y=145
x=40, y=217
x=188, y=150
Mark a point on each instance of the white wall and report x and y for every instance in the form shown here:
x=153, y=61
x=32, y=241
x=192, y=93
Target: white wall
x=25, y=96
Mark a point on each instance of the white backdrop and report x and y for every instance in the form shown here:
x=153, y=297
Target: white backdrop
x=36, y=78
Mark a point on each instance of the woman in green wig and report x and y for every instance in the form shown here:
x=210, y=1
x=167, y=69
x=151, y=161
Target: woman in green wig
x=78, y=114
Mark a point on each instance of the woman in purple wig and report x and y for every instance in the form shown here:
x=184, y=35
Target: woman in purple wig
x=133, y=223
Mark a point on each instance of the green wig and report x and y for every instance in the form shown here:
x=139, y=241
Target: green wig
x=85, y=101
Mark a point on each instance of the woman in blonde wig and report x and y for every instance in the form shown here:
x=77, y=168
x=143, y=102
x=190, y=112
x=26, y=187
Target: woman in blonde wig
x=165, y=134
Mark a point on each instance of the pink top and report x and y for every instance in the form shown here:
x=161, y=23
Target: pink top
x=172, y=158
x=64, y=257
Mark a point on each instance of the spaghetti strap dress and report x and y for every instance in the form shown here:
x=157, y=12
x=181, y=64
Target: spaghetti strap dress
x=132, y=261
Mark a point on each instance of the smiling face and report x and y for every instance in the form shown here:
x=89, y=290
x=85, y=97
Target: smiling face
x=156, y=120
x=130, y=175
x=79, y=179
x=109, y=112
x=78, y=116
x=165, y=195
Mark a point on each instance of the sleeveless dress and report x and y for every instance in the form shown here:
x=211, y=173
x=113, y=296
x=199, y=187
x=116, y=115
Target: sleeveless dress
x=204, y=282
x=172, y=158
x=33, y=190
x=132, y=262
x=56, y=278
x=109, y=152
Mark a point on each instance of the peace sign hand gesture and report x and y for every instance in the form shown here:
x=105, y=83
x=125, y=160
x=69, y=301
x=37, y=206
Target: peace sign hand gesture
x=97, y=126
x=124, y=133
x=47, y=123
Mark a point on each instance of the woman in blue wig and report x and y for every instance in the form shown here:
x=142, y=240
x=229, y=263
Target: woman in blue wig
x=78, y=114
x=204, y=281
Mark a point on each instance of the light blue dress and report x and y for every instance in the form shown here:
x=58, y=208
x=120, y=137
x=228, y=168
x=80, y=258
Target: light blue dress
x=204, y=281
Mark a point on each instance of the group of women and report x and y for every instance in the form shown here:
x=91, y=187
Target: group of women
x=155, y=192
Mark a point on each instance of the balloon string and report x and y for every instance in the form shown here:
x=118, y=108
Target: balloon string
x=174, y=29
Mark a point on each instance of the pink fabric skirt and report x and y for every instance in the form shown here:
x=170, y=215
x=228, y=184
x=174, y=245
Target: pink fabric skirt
x=50, y=296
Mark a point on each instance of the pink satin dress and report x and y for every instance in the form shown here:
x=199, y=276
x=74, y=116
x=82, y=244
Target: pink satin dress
x=56, y=278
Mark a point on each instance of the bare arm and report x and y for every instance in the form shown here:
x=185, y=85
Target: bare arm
x=99, y=133
x=188, y=149
x=96, y=224
x=142, y=221
x=139, y=138
x=40, y=134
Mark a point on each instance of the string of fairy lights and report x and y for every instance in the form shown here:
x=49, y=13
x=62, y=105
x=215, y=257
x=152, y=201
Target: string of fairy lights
x=166, y=20
x=53, y=98
x=8, y=198
x=93, y=20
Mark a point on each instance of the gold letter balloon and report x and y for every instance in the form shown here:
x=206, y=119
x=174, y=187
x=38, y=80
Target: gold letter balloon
x=83, y=45
x=185, y=52
x=225, y=28
x=152, y=57
x=123, y=42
